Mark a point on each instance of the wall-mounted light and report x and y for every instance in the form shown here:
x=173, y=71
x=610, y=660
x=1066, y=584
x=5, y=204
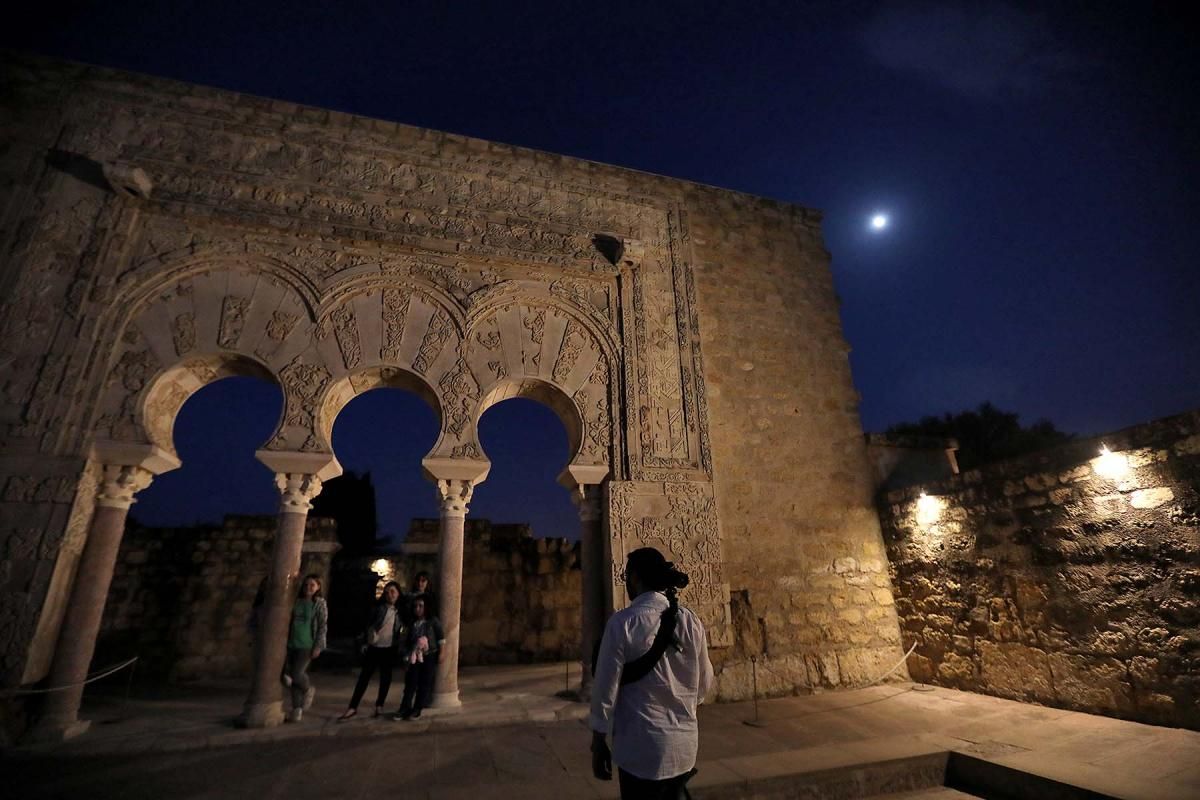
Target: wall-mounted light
x=1113, y=466
x=929, y=509
x=381, y=566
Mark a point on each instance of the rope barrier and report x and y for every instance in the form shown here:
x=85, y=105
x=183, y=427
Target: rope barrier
x=91, y=678
x=903, y=658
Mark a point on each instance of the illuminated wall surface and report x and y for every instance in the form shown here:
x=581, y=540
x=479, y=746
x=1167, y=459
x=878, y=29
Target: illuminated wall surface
x=1070, y=577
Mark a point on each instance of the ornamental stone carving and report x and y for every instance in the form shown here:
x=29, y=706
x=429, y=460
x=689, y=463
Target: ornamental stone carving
x=118, y=485
x=296, y=491
x=455, y=496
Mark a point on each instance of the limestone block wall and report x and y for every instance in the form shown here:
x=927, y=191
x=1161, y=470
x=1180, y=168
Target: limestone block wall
x=181, y=597
x=811, y=596
x=1067, y=577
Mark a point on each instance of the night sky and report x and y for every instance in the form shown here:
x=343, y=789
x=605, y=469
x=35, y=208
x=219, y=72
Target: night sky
x=1038, y=163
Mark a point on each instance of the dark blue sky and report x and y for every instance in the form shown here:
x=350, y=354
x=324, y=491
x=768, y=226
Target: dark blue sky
x=1039, y=163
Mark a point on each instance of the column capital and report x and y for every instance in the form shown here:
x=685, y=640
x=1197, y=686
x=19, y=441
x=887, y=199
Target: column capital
x=119, y=483
x=296, y=491
x=586, y=497
x=455, y=494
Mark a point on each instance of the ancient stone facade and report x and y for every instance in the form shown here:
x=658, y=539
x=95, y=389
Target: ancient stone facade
x=1070, y=577
x=158, y=236
x=181, y=597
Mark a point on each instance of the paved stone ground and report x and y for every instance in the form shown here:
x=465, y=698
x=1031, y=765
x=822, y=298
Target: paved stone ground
x=505, y=744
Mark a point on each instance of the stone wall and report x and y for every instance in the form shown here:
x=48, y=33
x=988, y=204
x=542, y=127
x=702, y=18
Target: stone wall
x=181, y=597
x=521, y=595
x=804, y=560
x=1068, y=577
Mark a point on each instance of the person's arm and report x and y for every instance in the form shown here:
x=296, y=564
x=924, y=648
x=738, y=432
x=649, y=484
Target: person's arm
x=706, y=668
x=605, y=684
x=321, y=623
x=440, y=636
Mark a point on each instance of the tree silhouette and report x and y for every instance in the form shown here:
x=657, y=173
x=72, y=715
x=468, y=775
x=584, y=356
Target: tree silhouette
x=986, y=434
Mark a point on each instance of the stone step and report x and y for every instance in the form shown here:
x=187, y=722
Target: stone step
x=936, y=793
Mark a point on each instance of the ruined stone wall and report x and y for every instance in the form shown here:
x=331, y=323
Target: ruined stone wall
x=1065, y=578
x=159, y=236
x=804, y=558
x=181, y=597
x=521, y=595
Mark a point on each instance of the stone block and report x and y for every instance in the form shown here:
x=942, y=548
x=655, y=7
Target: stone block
x=1015, y=671
x=1095, y=684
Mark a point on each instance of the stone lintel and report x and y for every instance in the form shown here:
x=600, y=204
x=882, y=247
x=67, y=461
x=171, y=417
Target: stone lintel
x=288, y=462
x=456, y=469
x=575, y=475
x=149, y=457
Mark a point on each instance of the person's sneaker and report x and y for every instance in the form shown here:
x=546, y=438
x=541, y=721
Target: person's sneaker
x=309, y=695
x=415, y=715
x=400, y=715
x=287, y=680
x=296, y=715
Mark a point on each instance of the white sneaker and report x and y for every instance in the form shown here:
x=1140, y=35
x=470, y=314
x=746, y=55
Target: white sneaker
x=287, y=679
x=296, y=714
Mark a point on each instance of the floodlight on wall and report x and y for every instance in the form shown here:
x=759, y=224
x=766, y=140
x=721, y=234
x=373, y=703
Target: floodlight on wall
x=381, y=566
x=929, y=509
x=1113, y=466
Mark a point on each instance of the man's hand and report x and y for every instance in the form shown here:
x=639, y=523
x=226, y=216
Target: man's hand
x=601, y=757
x=316, y=651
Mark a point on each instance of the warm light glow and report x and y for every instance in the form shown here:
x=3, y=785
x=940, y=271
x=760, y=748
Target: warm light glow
x=1113, y=466
x=381, y=566
x=879, y=222
x=929, y=509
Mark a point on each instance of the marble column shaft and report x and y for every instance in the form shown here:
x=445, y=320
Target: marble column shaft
x=264, y=706
x=455, y=494
x=81, y=622
x=591, y=558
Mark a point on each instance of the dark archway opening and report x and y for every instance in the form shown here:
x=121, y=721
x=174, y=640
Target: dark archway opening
x=198, y=542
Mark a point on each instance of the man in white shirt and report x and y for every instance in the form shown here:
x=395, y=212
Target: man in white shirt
x=651, y=673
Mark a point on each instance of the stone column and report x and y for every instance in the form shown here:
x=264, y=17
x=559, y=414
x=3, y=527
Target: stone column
x=454, y=494
x=126, y=470
x=298, y=478
x=583, y=482
x=456, y=479
x=591, y=563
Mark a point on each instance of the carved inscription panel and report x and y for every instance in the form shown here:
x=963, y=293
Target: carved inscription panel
x=680, y=520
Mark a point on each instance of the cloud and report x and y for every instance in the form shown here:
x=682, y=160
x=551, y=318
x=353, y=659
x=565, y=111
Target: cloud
x=983, y=51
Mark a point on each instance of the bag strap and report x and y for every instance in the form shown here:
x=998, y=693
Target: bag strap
x=644, y=664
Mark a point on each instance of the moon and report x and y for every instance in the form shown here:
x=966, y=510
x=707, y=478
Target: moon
x=879, y=222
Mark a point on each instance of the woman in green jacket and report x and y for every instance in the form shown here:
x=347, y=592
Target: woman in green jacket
x=306, y=640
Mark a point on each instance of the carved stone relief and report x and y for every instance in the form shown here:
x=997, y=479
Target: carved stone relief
x=395, y=309
x=440, y=331
x=183, y=332
x=345, y=328
x=233, y=319
x=680, y=520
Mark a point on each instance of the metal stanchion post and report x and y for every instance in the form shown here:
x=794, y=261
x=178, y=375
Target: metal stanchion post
x=754, y=723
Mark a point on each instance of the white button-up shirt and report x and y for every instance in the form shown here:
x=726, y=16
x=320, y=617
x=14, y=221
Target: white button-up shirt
x=652, y=721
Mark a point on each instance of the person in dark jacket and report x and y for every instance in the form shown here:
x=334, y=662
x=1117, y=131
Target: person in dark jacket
x=422, y=651
x=383, y=639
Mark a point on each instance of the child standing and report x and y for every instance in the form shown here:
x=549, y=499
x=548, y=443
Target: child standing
x=306, y=640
